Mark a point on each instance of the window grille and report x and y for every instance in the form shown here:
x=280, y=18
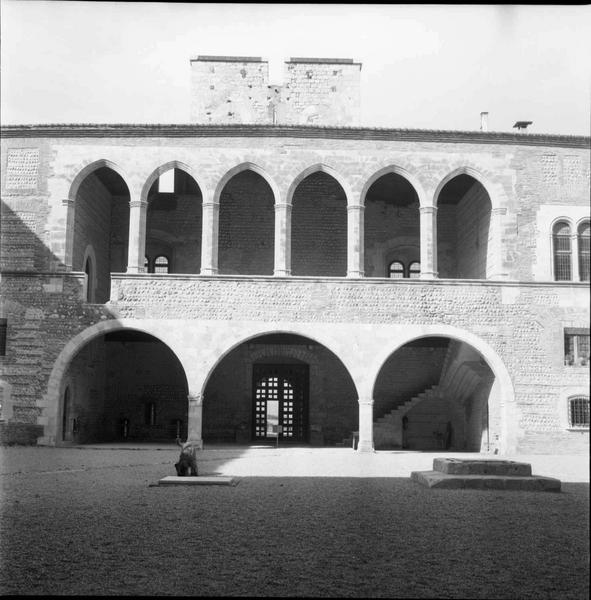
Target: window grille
x=88, y=272
x=396, y=270
x=146, y=264
x=584, y=237
x=414, y=270
x=576, y=347
x=578, y=412
x=161, y=264
x=562, y=252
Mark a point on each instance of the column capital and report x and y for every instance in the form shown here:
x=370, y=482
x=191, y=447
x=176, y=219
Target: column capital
x=68, y=202
x=366, y=401
x=210, y=203
x=352, y=207
x=283, y=206
x=428, y=209
x=138, y=204
x=195, y=399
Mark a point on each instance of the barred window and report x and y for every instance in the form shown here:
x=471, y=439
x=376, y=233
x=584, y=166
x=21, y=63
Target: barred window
x=161, y=264
x=89, y=277
x=576, y=346
x=583, y=239
x=414, y=270
x=578, y=411
x=396, y=270
x=562, y=251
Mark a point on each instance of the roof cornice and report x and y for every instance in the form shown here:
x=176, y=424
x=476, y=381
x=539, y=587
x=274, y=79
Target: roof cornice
x=122, y=130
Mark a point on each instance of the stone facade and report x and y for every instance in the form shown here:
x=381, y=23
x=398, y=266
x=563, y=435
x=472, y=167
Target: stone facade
x=279, y=239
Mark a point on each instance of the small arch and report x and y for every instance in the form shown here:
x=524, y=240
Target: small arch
x=90, y=168
x=246, y=166
x=475, y=174
x=322, y=168
x=89, y=267
x=397, y=170
x=161, y=264
x=155, y=174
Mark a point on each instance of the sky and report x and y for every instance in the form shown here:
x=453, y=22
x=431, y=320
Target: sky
x=424, y=66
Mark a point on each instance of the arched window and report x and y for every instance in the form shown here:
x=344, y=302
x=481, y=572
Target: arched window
x=583, y=244
x=396, y=270
x=161, y=264
x=89, y=277
x=562, y=252
x=414, y=270
x=578, y=412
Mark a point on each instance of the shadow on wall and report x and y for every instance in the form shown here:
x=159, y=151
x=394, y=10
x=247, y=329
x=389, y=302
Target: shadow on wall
x=110, y=390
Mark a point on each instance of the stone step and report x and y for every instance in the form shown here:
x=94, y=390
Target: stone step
x=458, y=466
x=199, y=480
x=436, y=479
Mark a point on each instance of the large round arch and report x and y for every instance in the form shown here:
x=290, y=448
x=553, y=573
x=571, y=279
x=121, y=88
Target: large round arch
x=444, y=375
x=122, y=383
x=279, y=384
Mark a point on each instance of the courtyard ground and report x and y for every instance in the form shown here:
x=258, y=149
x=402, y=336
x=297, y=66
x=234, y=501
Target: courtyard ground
x=323, y=522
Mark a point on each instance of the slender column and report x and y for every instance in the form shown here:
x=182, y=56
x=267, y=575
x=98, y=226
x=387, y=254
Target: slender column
x=282, y=240
x=495, y=254
x=70, y=207
x=575, y=257
x=355, y=214
x=209, y=238
x=195, y=420
x=365, y=425
x=428, y=216
x=136, y=249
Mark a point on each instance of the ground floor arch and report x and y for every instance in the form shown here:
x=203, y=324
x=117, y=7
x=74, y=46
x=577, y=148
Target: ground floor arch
x=120, y=385
x=280, y=388
x=437, y=393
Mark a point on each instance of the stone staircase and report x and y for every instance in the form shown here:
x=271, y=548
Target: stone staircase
x=387, y=429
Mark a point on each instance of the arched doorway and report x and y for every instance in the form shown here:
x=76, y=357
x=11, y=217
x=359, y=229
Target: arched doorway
x=123, y=386
x=436, y=393
x=280, y=385
x=464, y=244
x=319, y=227
x=101, y=228
x=392, y=228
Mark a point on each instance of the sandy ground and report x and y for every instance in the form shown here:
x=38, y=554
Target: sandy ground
x=298, y=522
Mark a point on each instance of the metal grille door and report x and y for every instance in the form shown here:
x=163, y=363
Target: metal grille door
x=280, y=402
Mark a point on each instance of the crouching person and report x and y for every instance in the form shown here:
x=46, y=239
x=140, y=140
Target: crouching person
x=187, y=460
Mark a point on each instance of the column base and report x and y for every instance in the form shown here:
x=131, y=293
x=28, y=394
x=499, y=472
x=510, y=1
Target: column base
x=208, y=272
x=428, y=275
x=365, y=447
x=281, y=273
x=355, y=274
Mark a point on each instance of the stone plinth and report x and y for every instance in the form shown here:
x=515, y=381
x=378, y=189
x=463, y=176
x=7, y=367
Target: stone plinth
x=452, y=473
x=457, y=466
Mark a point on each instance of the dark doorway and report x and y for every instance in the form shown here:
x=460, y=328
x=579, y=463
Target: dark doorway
x=280, y=402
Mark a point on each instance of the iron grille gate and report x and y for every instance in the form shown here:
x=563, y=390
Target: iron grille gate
x=280, y=402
